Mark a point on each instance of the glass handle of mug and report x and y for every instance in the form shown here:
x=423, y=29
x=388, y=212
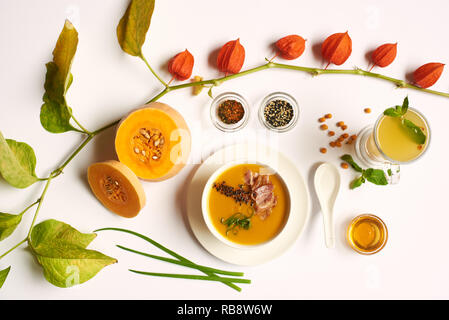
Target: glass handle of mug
x=392, y=172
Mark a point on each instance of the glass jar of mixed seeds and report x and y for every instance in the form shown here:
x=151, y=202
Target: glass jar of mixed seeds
x=279, y=112
x=229, y=111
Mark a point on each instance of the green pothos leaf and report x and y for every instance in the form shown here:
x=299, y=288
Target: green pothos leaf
x=8, y=223
x=3, y=275
x=61, y=251
x=55, y=113
x=133, y=26
x=55, y=118
x=17, y=163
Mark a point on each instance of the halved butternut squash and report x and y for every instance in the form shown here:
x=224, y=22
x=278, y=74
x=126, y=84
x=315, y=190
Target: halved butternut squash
x=116, y=187
x=153, y=141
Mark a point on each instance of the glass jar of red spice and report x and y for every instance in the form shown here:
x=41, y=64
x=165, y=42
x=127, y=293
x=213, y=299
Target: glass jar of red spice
x=229, y=111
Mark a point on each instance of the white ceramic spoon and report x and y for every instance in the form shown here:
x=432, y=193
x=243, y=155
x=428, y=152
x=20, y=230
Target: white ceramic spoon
x=327, y=185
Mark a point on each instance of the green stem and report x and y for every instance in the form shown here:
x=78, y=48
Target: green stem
x=54, y=174
x=183, y=263
x=25, y=210
x=398, y=82
x=154, y=243
x=41, y=199
x=170, y=252
x=106, y=127
x=16, y=246
x=160, y=95
x=152, y=71
x=79, y=124
x=313, y=71
x=59, y=170
x=83, y=130
x=193, y=277
x=30, y=206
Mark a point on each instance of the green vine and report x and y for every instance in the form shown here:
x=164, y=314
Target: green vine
x=312, y=71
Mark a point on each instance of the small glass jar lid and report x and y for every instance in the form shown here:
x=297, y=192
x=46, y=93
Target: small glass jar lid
x=229, y=111
x=279, y=112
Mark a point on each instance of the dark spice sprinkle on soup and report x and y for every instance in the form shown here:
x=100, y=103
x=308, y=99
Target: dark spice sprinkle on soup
x=278, y=113
x=240, y=195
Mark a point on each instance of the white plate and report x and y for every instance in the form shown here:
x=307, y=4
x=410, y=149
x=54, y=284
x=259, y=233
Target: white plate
x=299, y=197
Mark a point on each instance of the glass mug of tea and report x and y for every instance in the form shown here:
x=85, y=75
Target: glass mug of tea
x=387, y=144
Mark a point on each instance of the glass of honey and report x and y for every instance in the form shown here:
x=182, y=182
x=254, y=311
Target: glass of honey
x=367, y=234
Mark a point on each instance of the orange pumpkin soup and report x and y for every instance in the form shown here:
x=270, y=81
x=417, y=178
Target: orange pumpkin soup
x=248, y=204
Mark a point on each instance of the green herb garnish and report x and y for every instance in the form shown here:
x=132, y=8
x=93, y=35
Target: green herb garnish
x=375, y=176
x=357, y=182
x=191, y=276
x=237, y=221
x=414, y=131
x=398, y=111
x=183, y=263
x=351, y=162
x=211, y=274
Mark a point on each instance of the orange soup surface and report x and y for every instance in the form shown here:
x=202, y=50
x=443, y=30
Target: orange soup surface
x=222, y=207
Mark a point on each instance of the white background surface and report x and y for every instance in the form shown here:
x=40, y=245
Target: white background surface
x=108, y=83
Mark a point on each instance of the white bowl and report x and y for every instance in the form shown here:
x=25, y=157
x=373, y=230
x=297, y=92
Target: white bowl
x=205, y=205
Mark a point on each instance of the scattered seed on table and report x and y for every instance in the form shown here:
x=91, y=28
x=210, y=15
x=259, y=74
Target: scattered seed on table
x=338, y=144
x=332, y=144
x=345, y=135
x=321, y=120
x=344, y=127
x=328, y=116
x=344, y=165
x=367, y=110
x=331, y=133
x=324, y=127
x=323, y=150
x=340, y=123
